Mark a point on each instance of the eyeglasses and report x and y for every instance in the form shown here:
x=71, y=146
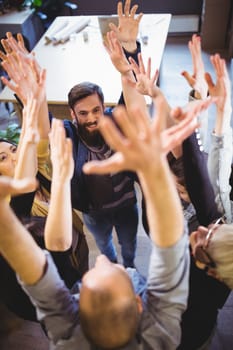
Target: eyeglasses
x=200, y=252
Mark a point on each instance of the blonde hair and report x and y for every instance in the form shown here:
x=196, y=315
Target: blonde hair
x=220, y=249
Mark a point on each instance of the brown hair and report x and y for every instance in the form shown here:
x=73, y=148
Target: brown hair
x=83, y=90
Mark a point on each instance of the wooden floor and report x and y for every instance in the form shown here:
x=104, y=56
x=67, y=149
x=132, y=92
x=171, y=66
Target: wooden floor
x=16, y=334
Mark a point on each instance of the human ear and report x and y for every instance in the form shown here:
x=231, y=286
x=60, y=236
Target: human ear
x=72, y=114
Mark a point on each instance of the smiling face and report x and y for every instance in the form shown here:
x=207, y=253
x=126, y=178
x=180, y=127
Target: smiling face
x=87, y=113
x=7, y=159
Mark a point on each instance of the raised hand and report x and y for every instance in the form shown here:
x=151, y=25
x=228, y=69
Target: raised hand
x=11, y=44
x=222, y=87
x=25, y=75
x=128, y=25
x=197, y=79
x=58, y=229
x=145, y=84
x=116, y=53
x=61, y=153
x=142, y=143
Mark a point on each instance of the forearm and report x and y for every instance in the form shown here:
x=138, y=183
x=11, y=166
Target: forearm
x=27, y=161
x=43, y=120
x=163, y=206
x=131, y=96
x=19, y=248
x=223, y=120
x=58, y=229
x=21, y=137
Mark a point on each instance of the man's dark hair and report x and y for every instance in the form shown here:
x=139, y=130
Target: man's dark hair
x=82, y=90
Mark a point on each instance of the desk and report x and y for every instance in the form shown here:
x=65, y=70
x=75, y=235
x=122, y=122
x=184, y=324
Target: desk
x=78, y=60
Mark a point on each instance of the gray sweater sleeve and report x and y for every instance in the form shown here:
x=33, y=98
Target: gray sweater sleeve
x=55, y=306
x=167, y=291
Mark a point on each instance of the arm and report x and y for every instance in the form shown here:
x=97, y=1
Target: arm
x=125, y=34
x=25, y=74
x=26, y=165
x=119, y=60
x=220, y=153
x=58, y=229
x=198, y=83
x=11, y=231
x=128, y=25
x=35, y=268
x=197, y=79
x=146, y=85
x=197, y=181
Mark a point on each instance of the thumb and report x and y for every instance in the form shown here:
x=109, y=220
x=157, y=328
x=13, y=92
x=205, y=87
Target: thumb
x=113, y=27
x=209, y=80
x=189, y=78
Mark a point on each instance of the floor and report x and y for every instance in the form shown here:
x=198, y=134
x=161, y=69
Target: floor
x=17, y=334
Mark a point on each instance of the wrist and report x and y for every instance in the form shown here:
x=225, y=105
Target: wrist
x=130, y=47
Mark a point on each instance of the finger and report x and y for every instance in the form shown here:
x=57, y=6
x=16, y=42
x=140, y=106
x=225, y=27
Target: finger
x=209, y=81
x=21, y=43
x=112, y=135
x=12, y=86
x=155, y=77
x=134, y=65
x=133, y=11
x=141, y=64
x=42, y=80
x=69, y=147
x=110, y=165
x=178, y=133
x=148, y=67
x=189, y=78
x=127, y=7
x=2, y=56
x=6, y=46
x=139, y=17
x=113, y=27
x=120, y=9
x=127, y=124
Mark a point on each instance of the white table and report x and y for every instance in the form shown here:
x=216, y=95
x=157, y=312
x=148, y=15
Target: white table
x=78, y=60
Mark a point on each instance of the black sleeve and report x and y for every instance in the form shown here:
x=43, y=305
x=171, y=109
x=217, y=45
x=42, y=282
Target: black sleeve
x=197, y=180
x=134, y=55
x=22, y=204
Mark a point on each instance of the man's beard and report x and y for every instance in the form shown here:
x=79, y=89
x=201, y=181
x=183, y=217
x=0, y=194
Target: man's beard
x=92, y=138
